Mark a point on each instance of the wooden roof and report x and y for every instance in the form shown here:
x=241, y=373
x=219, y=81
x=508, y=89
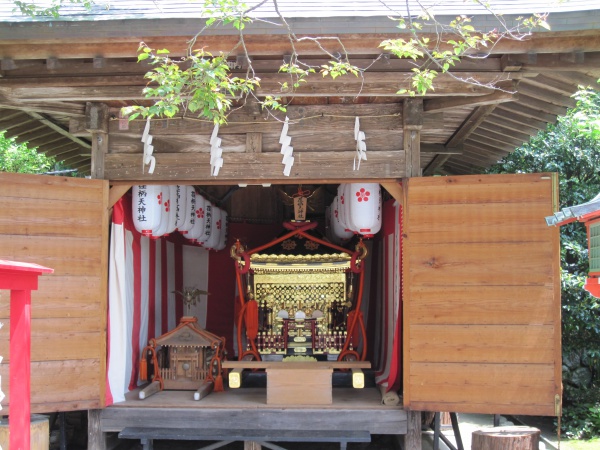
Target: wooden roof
x=50, y=69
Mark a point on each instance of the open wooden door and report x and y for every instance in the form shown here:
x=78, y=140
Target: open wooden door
x=61, y=223
x=481, y=295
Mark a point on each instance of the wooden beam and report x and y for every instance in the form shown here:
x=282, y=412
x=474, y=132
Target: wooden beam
x=49, y=122
x=520, y=110
x=441, y=104
x=500, y=145
x=116, y=192
x=73, y=41
x=49, y=107
x=541, y=105
x=117, y=66
x=517, y=119
x=557, y=61
x=470, y=125
x=395, y=190
x=501, y=130
x=440, y=149
x=96, y=117
x=370, y=84
x=549, y=96
x=255, y=168
x=437, y=162
x=495, y=119
x=546, y=82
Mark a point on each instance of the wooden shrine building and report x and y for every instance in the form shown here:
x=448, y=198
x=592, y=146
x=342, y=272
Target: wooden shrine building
x=462, y=295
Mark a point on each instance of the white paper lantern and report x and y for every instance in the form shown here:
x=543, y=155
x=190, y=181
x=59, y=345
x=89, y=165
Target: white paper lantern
x=216, y=229
x=162, y=228
x=181, y=192
x=341, y=208
x=171, y=209
x=347, y=207
x=223, y=236
x=197, y=230
x=208, y=223
x=365, y=208
x=145, y=208
x=189, y=211
x=338, y=230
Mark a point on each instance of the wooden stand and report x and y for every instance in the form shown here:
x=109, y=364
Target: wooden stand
x=298, y=383
x=506, y=438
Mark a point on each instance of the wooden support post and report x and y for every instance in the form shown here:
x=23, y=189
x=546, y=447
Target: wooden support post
x=96, y=438
x=412, y=124
x=250, y=445
x=412, y=439
x=97, y=116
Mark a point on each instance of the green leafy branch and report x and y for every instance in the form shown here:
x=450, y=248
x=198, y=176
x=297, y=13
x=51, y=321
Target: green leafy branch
x=207, y=86
x=52, y=10
x=456, y=40
x=200, y=83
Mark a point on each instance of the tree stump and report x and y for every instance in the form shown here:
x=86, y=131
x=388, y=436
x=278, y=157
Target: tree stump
x=506, y=438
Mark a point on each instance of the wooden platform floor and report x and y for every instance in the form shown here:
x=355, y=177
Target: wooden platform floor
x=247, y=408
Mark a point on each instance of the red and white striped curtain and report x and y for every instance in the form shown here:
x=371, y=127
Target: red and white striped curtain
x=386, y=300
x=143, y=275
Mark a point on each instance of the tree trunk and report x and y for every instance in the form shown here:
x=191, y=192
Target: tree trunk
x=506, y=438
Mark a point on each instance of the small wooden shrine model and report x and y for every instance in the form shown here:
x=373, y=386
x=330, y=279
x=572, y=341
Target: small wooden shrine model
x=185, y=358
x=299, y=298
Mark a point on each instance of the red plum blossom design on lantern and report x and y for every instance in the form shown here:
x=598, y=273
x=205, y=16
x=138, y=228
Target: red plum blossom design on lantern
x=363, y=195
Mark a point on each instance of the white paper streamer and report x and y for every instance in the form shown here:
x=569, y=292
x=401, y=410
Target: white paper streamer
x=148, y=149
x=286, y=149
x=216, y=152
x=361, y=146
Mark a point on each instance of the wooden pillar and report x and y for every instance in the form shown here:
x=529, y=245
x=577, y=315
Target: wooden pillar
x=412, y=124
x=97, y=116
x=412, y=118
x=251, y=445
x=412, y=440
x=96, y=438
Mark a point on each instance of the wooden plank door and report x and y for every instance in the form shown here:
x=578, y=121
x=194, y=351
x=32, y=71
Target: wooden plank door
x=61, y=223
x=481, y=295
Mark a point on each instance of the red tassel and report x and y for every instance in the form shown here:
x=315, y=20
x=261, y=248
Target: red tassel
x=219, y=384
x=252, y=319
x=144, y=368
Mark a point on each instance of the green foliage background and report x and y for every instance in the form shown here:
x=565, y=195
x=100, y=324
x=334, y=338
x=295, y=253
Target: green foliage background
x=21, y=159
x=571, y=148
